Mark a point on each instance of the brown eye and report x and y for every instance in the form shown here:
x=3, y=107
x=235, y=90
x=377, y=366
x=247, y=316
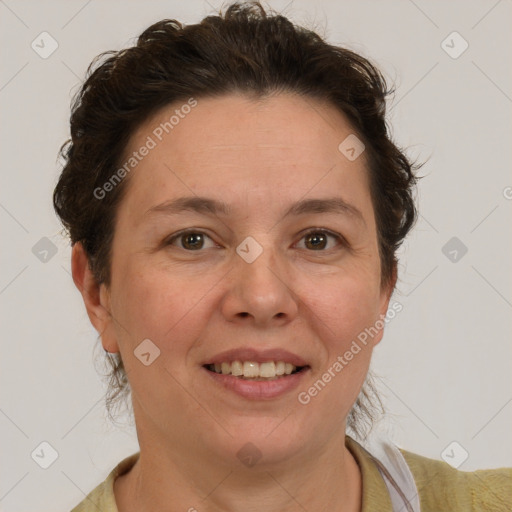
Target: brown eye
x=192, y=241
x=318, y=240
x=189, y=240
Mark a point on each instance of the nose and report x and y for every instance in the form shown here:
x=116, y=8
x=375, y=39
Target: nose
x=260, y=293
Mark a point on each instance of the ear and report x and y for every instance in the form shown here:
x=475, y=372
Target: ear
x=387, y=291
x=385, y=297
x=96, y=298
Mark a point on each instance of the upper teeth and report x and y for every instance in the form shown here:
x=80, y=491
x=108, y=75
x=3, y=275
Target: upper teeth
x=253, y=369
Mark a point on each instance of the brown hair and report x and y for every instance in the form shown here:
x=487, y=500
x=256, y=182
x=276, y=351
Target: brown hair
x=243, y=50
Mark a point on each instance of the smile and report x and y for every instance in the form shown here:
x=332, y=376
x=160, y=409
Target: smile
x=253, y=370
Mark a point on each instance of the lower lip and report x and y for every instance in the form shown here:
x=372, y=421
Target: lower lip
x=259, y=389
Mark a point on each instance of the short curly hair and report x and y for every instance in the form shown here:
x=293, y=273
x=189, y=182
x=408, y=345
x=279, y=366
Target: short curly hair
x=245, y=50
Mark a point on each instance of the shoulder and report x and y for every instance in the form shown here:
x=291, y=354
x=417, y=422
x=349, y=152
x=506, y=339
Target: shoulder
x=99, y=499
x=102, y=497
x=442, y=487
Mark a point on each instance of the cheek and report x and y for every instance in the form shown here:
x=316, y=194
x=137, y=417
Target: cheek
x=344, y=312
x=343, y=305
x=161, y=306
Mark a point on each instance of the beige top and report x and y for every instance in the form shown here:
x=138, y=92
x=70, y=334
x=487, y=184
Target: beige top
x=440, y=486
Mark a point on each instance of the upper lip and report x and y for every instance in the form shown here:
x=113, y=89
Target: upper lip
x=257, y=356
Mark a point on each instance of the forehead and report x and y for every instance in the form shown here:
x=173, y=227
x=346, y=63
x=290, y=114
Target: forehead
x=289, y=117
x=234, y=145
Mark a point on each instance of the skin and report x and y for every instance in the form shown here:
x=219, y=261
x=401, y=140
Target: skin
x=259, y=157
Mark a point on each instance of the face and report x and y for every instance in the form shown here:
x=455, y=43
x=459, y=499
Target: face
x=261, y=274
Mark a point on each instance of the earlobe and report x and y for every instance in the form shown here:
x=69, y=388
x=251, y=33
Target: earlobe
x=392, y=283
x=386, y=294
x=95, y=296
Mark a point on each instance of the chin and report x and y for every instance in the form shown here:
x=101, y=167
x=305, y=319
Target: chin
x=271, y=440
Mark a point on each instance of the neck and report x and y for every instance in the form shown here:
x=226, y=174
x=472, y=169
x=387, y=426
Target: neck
x=189, y=481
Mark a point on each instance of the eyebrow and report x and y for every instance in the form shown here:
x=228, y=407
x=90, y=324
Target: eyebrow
x=208, y=206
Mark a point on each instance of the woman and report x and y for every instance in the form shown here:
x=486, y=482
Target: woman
x=235, y=205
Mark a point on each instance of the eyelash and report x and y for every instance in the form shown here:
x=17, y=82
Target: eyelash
x=340, y=239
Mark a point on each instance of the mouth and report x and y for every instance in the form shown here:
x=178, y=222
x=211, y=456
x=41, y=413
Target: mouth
x=269, y=380
x=256, y=374
x=254, y=371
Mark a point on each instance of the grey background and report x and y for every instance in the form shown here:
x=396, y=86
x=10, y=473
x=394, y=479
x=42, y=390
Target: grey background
x=445, y=360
